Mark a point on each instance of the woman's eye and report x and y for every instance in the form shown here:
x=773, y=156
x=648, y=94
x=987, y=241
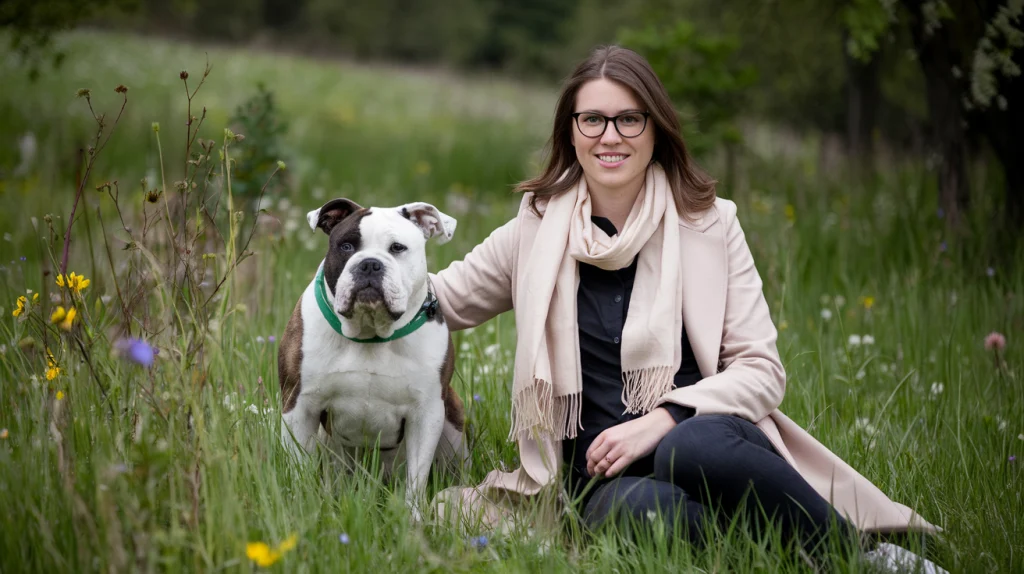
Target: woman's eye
x=593, y=120
x=630, y=120
x=397, y=248
x=347, y=246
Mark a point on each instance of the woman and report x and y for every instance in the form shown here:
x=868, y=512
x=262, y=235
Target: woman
x=645, y=353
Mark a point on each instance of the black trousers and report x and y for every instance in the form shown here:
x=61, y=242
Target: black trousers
x=716, y=465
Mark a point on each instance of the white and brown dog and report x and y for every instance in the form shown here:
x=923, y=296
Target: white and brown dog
x=366, y=360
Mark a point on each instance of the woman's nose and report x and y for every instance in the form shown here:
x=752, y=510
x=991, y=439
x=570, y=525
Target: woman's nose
x=610, y=135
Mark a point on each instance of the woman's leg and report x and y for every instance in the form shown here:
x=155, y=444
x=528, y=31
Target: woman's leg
x=636, y=501
x=722, y=458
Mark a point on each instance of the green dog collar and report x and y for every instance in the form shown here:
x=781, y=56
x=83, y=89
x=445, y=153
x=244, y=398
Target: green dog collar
x=427, y=312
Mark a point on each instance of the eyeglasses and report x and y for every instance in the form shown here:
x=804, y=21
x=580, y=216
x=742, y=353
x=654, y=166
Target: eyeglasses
x=629, y=124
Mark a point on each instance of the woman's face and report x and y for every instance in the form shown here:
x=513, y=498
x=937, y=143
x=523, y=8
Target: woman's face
x=611, y=162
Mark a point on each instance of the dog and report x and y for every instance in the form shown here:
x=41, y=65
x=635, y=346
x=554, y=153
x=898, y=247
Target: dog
x=366, y=360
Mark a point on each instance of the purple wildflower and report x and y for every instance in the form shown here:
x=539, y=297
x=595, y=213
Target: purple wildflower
x=137, y=351
x=476, y=398
x=1012, y=458
x=271, y=339
x=23, y=258
x=990, y=272
x=479, y=542
x=343, y=538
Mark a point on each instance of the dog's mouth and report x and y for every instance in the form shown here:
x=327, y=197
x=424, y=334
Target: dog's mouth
x=368, y=296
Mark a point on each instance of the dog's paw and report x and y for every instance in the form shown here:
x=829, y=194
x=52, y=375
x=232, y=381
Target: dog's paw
x=414, y=511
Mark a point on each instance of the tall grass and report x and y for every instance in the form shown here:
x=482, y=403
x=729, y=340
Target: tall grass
x=177, y=467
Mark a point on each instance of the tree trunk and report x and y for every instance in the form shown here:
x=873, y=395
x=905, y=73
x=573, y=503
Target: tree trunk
x=863, y=96
x=938, y=53
x=1002, y=128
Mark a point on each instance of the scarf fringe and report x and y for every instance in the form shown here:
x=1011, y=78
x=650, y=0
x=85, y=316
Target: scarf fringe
x=534, y=409
x=642, y=388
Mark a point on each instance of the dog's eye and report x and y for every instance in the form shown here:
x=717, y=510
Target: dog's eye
x=398, y=248
x=347, y=246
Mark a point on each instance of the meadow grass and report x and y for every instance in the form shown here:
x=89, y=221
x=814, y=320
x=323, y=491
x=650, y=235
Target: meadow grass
x=882, y=317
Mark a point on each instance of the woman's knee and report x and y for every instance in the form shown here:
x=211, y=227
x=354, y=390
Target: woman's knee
x=692, y=445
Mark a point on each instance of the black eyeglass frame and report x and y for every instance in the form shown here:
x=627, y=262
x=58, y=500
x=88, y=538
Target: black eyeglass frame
x=610, y=120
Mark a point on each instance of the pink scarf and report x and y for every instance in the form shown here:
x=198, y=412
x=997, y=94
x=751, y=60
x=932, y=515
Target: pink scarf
x=547, y=382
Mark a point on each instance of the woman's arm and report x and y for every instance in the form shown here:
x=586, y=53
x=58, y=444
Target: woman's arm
x=479, y=287
x=751, y=380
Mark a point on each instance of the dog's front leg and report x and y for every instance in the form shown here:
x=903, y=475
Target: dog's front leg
x=299, y=427
x=425, y=425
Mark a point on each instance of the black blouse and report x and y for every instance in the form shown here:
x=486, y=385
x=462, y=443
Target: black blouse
x=602, y=301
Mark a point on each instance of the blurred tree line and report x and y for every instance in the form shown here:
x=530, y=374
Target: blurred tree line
x=934, y=79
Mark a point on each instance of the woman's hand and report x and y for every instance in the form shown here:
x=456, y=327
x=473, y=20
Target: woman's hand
x=617, y=447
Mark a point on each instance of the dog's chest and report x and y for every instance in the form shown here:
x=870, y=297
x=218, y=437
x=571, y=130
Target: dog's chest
x=369, y=390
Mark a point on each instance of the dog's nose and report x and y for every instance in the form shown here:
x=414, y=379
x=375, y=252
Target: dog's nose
x=370, y=266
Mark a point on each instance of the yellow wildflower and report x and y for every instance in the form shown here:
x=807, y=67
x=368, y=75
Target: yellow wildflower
x=74, y=282
x=35, y=297
x=783, y=325
x=289, y=543
x=64, y=318
x=263, y=555
x=790, y=213
x=60, y=395
x=52, y=370
x=20, y=306
x=868, y=302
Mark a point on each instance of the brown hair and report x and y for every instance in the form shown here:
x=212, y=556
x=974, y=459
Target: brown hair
x=693, y=190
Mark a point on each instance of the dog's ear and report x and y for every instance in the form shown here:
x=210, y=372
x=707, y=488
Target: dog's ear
x=429, y=219
x=331, y=214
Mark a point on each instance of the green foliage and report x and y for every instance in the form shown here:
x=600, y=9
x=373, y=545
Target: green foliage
x=259, y=120
x=32, y=23
x=179, y=465
x=702, y=75
x=866, y=22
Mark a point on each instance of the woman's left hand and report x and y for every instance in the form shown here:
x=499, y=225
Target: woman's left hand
x=617, y=447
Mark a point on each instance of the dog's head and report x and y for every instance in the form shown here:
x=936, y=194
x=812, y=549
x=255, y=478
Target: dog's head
x=376, y=260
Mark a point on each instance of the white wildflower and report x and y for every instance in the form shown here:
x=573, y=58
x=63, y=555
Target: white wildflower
x=863, y=424
x=854, y=340
x=840, y=300
x=867, y=340
x=464, y=347
x=937, y=388
x=826, y=314
x=260, y=339
x=492, y=350
x=860, y=375
x=1001, y=423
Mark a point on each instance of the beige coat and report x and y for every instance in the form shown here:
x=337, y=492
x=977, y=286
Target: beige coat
x=733, y=339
